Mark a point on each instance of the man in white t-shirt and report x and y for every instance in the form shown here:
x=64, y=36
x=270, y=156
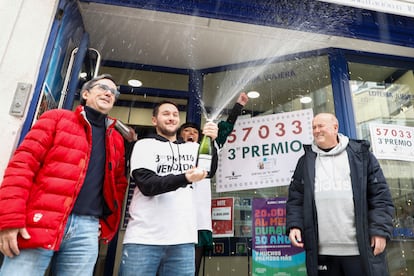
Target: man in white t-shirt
x=161, y=233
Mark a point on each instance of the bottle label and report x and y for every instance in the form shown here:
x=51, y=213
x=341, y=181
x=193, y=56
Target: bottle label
x=204, y=162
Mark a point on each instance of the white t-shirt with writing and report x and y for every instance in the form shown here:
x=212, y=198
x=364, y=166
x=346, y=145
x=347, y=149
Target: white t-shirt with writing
x=168, y=218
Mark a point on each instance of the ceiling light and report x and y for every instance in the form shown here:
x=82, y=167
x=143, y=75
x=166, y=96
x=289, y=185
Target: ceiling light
x=253, y=94
x=135, y=83
x=305, y=100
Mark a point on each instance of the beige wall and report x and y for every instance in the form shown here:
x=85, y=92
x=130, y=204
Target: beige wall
x=22, y=45
x=137, y=116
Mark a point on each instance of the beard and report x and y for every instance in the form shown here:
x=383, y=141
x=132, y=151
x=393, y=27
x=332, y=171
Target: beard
x=167, y=133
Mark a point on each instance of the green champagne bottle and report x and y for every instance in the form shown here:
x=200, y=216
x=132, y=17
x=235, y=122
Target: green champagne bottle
x=204, y=154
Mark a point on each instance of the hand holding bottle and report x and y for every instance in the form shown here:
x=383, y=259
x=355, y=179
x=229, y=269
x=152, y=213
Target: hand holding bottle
x=127, y=132
x=211, y=130
x=195, y=174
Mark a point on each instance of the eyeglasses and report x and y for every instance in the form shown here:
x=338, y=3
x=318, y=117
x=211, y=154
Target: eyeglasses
x=105, y=87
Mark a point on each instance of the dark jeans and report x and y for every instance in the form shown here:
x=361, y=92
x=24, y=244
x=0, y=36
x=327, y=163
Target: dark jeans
x=340, y=266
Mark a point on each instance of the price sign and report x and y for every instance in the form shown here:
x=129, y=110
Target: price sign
x=263, y=151
x=392, y=142
x=222, y=216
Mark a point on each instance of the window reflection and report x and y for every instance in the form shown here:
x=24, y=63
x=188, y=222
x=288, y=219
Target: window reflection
x=385, y=95
x=282, y=87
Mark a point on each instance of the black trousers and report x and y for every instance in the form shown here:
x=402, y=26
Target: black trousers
x=340, y=266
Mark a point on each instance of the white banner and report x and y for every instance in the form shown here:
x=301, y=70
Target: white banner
x=393, y=142
x=399, y=7
x=262, y=151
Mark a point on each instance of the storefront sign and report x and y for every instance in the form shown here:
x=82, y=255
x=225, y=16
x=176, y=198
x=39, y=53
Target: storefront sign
x=262, y=151
x=393, y=142
x=222, y=217
x=272, y=251
x=399, y=7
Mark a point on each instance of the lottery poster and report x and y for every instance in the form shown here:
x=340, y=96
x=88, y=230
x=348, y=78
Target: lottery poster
x=272, y=252
x=222, y=216
x=262, y=151
x=393, y=142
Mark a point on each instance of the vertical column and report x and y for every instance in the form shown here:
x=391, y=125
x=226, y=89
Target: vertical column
x=342, y=93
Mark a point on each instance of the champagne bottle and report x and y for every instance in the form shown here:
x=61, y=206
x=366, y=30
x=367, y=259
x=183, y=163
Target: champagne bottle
x=204, y=154
x=122, y=128
x=125, y=131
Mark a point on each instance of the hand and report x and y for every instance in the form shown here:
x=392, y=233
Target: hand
x=295, y=237
x=132, y=135
x=378, y=243
x=8, y=241
x=243, y=99
x=211, y=129
x=195, y=174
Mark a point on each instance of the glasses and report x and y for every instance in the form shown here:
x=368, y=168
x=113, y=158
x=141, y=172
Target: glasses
x=105, y=87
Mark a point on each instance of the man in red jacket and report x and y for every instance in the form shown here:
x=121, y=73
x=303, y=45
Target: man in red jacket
x=63, y=188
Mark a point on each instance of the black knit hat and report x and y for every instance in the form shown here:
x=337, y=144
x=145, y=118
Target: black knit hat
x=189, y=124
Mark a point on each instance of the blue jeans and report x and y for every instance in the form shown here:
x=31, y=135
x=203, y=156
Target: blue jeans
x=161, y=260
x=77, y=254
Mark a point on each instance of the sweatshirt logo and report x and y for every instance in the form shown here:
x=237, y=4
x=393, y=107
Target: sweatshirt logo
x=170, y=163
x=37, y=217
x=322, y=267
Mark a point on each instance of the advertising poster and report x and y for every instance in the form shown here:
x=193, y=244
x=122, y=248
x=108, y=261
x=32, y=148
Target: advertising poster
x=222, y=217
x=263, y=151
x=393, y=142
x=272, y=252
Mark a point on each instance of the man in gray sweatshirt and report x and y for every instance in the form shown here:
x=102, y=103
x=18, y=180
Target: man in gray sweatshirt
x=339, y=206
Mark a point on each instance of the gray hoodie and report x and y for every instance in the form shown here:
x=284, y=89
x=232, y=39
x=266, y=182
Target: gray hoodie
x=334, y=201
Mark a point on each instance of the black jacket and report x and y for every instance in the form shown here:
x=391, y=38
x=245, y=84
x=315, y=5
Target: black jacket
x=372, y=200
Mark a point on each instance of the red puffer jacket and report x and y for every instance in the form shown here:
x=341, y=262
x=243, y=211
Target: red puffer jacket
x=46, y=173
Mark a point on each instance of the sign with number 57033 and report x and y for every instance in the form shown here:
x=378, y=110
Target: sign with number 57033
x=393, y=142
x=263, y=151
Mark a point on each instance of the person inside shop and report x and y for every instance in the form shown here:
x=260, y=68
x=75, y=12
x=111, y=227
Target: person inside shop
x=190, y=132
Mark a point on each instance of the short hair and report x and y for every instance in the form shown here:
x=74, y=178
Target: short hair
x=157, y=106
x=89, y=84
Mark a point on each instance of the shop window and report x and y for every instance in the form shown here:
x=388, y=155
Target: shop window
x=281, y=86
x=383, y=103
x=149, y=79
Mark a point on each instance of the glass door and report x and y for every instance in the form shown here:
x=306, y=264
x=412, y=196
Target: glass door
x=383, y=103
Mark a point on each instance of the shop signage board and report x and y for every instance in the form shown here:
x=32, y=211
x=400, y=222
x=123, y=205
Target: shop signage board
x=263, y=151
x=398, y=7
